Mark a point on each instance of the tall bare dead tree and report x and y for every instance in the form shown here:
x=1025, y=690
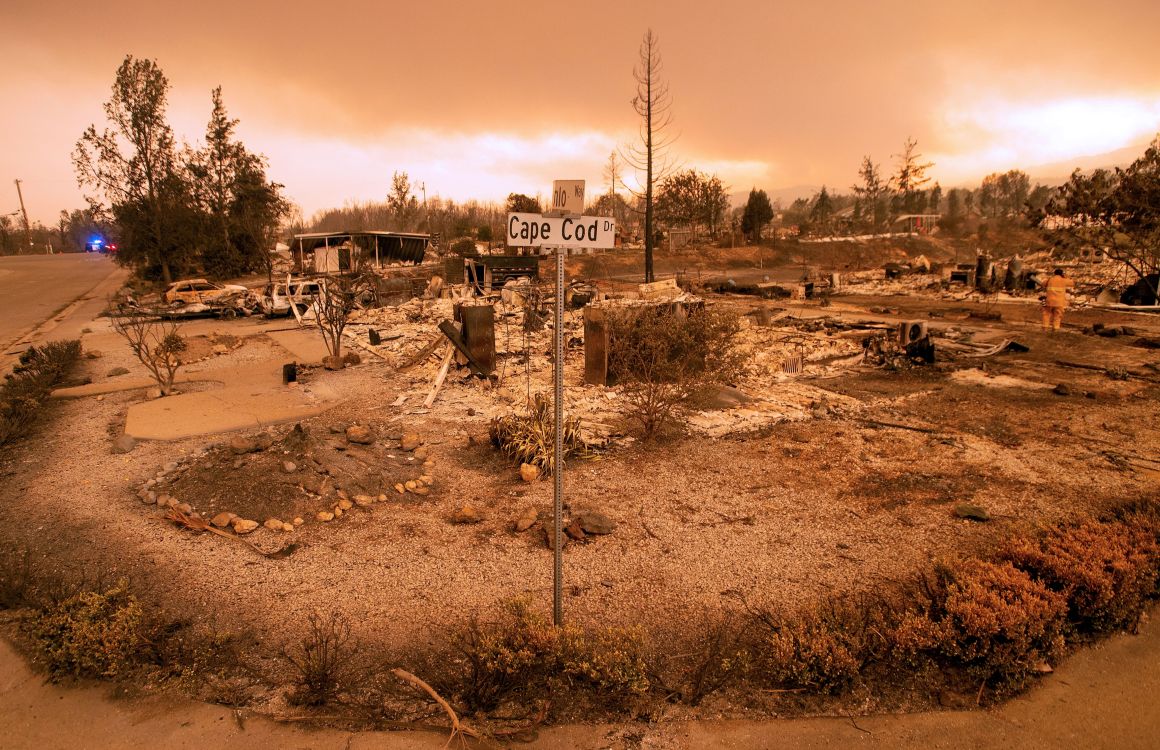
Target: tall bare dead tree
x=653, y=103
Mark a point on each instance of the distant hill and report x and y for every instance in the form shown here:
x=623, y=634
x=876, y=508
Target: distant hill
x=1058, y=172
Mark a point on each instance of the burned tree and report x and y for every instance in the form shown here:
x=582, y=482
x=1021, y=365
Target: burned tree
x=339, y=297
x=652, y=104
x=156, y=343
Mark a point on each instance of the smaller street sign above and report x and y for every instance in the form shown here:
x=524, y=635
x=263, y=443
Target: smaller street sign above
x=568, y=197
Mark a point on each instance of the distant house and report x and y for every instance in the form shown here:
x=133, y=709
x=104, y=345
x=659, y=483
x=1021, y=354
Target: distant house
x=340, y=252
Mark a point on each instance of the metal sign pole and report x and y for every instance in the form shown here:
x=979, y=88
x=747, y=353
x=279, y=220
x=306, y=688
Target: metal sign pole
x=558, y=455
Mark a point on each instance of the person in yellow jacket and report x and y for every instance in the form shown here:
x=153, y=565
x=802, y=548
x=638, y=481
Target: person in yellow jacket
x=1055, y=300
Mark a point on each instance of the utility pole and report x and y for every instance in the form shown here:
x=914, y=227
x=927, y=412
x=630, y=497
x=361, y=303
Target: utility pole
x=24, y=214
x=426, y=214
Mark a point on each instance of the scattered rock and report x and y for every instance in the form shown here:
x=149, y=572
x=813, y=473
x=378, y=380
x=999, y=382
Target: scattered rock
x=149, y=497
x=470, y=412
x=400, y=488
x=411, y=441
x=547, y=533
x=427, y=479
x=273, y=524
x=244, y=526
x=593, y=522
x=264, y=440
x=185, y=508
x=223, y=519
x=972, y=512
x=955, y=699
x=287, y=527
x=360, y=434
x=467, y=514
x=529, y=472
x=574, y=531
x=220, y=349
x=526, y=520
x=325, y=515
x=382, y=498
x=299, y=521
x=1043, y=668
x=337, y=512
x=124, y=444
x=164, y=499
x=345, y=504
x=363, y=501
x=1061, y=390
x=420, y=490
x=116, y=372
x=333, y=363
x=289, y=467
x=170, y=467
x=238, y=463
x=93, y=354
x=352, y=358
x=241, y=444
x=422, y=453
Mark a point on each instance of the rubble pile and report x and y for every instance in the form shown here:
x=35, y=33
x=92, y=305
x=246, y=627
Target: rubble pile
x=778, y=353
x=1091, y=278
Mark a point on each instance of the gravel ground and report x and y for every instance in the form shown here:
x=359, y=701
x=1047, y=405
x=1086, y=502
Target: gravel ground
x=825, y=502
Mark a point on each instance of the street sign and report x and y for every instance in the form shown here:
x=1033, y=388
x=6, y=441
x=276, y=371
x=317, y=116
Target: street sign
x=537, y=230
x=568, y=197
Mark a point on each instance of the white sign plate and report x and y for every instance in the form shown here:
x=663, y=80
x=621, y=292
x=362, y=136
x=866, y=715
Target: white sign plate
x=536, y=230
x=568, y=196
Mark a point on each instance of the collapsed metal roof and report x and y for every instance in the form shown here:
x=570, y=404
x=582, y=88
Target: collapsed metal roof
x=382, y=247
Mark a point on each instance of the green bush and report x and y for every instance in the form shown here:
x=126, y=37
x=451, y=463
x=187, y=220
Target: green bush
x=822, y=649
x=28, y=385
x=1106, y=570
x=523, y=655
x=91, y=634
x=661, y=355
x=464, y=246
x=531, y=438
x=989, y=618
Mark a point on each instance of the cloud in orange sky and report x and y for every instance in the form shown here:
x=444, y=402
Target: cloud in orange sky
x=485, y=99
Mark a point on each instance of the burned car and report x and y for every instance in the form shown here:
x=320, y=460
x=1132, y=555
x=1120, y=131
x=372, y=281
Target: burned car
x=199, y=290
x=276, y=299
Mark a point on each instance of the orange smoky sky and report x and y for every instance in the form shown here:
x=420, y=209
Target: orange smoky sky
x=477, y=100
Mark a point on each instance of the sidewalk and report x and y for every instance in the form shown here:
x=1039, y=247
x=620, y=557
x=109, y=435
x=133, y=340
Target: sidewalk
x=1102, y=697
x=250, y=396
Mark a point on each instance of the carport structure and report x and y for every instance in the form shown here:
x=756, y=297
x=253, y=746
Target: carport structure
x=339, y=252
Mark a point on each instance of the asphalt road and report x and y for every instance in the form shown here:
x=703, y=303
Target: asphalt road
x=34, y=287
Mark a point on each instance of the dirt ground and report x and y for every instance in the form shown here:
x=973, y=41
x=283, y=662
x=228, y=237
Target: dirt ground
x=853, y=488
